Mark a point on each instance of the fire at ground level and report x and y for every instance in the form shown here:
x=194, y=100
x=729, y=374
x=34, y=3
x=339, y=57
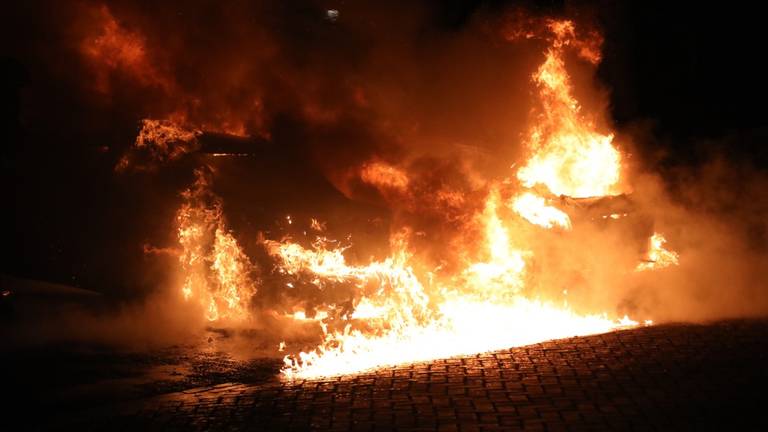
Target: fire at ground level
x=421, y=301
x=664, y=377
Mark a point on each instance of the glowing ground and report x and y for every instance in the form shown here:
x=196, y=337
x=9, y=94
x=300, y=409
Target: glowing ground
x=667, y=377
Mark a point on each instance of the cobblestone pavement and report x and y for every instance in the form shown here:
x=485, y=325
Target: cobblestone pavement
x=667, y=377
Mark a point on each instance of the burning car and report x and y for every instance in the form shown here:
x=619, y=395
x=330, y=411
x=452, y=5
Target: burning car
x=461, y=254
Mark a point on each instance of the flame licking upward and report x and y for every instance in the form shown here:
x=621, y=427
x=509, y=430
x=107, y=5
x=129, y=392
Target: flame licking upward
x=501, y=272
x=216, y=271
x=569, y=156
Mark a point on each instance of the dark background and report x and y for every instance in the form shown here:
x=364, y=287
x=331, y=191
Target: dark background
x=693, y=76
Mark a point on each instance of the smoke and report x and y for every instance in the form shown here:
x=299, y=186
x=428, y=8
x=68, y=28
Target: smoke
x=715, y=215
x=341, y=104
x=41, y=314
x=380, y=79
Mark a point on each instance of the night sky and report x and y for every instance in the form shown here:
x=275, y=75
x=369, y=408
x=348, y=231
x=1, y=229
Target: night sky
x=693, y=78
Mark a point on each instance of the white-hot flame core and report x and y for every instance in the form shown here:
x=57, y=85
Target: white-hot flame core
x=535, y=210
x=365, y=309
x=482, y=311
x=302, y=316
x=463, y=327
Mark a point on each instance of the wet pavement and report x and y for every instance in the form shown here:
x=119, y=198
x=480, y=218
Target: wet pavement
x=665, y=377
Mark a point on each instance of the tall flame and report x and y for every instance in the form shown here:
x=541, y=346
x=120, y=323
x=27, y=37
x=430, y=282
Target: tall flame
x=216, y=271
x=570, y=157
x=503, y=269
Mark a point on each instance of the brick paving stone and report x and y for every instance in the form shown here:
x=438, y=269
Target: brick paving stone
x=666, y=377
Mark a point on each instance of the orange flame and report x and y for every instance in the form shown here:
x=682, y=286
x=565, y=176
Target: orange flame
x=160, y=141
x=216, y=270
x=460, y=322
x=658, y=256
x=569, y=156
x=502, y=271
